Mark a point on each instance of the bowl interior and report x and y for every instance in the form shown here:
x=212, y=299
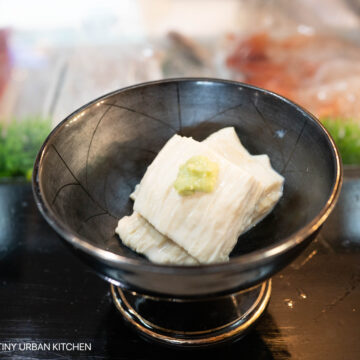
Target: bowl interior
x=93, y=160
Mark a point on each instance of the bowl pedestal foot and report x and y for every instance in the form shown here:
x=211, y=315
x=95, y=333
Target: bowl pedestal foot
x=193, y=322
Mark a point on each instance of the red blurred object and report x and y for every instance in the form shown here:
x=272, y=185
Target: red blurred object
x=253, y=58
x=5, y=63
x=320, y=72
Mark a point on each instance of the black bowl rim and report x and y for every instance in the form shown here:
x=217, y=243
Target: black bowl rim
x=243, y=262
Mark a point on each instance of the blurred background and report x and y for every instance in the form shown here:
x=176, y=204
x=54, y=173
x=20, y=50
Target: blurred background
x=56, y=56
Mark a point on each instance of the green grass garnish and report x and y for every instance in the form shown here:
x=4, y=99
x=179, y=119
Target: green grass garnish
x=346, y=134
x=19, y=143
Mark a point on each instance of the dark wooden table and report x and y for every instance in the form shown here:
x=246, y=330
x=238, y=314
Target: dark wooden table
x=47, y=296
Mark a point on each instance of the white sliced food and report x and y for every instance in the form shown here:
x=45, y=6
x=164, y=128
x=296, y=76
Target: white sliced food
x=226, y=143
x=136, y=233
x=134, y=193
x=206, y=225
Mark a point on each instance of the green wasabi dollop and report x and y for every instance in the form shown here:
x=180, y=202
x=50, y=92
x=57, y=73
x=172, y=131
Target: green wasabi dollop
x=197, y=174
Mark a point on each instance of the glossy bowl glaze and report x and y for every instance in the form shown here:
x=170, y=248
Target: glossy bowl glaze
x=92, y=160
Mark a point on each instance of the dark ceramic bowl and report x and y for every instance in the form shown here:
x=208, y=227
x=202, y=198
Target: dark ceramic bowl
x=92, y=160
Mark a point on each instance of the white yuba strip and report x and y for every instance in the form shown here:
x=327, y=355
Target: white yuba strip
x=202, y=228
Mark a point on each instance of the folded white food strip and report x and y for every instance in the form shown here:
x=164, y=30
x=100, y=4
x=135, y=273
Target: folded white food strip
x=226, y=143
x=139, y=235
x=206, y=225
x=134, y=193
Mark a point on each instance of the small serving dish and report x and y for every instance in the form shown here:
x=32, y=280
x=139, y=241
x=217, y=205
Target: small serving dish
x=91, y=162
